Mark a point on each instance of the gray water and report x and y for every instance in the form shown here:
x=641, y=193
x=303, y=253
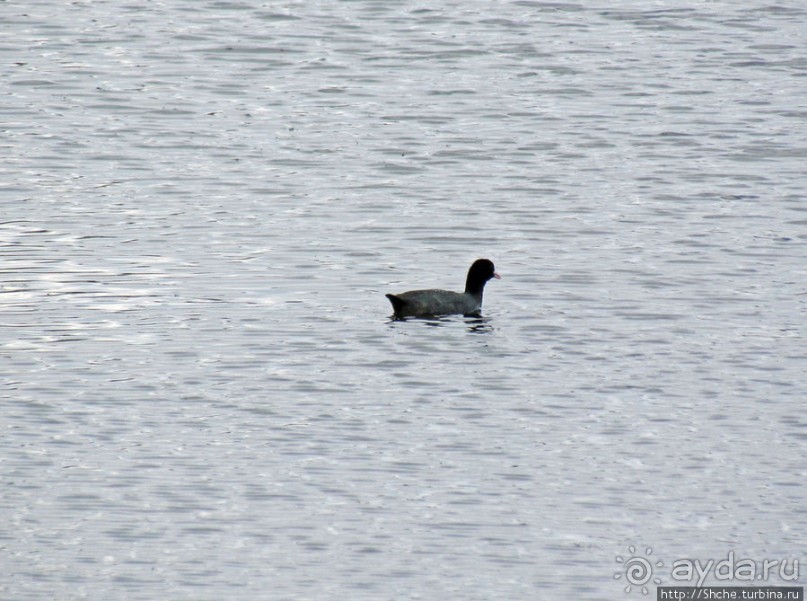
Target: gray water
x=203, y=204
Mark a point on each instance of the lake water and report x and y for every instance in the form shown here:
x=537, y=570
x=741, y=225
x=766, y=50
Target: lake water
x=203, y=204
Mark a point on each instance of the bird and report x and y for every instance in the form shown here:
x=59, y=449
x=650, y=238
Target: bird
x=433, y=302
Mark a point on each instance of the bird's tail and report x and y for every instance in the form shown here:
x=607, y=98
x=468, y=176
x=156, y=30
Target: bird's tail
x=397, y=302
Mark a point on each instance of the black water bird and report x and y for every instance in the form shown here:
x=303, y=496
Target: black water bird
x=433, y=302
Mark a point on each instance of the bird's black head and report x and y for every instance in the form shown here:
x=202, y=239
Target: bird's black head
x=480, y=272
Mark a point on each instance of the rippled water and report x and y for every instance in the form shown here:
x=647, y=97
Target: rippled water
x=203, y=204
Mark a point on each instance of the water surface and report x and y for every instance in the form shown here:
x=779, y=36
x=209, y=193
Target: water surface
x=204, y=203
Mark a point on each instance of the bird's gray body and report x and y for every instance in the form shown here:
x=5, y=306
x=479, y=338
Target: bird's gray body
x=419, y=303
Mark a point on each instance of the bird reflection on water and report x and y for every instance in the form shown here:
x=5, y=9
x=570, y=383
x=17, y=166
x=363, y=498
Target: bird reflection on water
x=475, y=323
